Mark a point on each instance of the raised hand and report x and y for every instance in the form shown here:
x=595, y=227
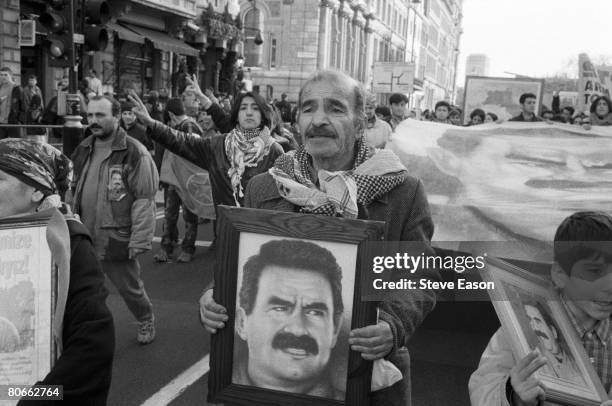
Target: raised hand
x=140, y=110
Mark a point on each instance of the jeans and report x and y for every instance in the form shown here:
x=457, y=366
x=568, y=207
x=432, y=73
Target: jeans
x=125, y=275
x=171, y=212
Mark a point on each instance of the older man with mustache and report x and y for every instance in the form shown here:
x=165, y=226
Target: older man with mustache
x=335, y=173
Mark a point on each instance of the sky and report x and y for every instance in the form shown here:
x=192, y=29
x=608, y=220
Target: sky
x=536, y=38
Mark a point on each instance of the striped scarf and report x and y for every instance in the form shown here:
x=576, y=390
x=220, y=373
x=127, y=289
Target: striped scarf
x=374, y=173
x=245, y=148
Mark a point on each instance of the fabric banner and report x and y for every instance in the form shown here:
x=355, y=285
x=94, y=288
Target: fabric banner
x=192, y=184
x=507, y=182
x=589, y=83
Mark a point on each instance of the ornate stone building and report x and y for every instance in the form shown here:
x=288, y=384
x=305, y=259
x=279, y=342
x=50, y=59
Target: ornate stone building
x=302, y=36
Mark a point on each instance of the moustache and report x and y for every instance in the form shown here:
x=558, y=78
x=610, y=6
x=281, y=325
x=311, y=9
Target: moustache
x=320, y=132
x=282, y=341
x=541, y=334
x=95, y=127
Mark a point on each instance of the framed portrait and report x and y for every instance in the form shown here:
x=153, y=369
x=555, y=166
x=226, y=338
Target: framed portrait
x=288, y=281
x=27, y=296
x=532, y=316
x=499, y=95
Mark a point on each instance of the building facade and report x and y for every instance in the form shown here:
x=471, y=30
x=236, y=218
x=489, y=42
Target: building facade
x=300, y=37
x=279, y=43
x=438, y=54
x=151, y=44
x=477, y=65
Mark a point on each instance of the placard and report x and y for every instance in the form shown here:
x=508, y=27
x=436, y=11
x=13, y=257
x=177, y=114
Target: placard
x=27, y=293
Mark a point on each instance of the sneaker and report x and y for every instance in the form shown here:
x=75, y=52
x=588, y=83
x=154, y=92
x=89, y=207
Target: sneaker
x=184, y=257
x=146, y=332
x=161, y=256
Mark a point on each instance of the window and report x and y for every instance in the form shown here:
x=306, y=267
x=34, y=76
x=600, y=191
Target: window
x=253, y=25
x=334, y=41
x=273, y=53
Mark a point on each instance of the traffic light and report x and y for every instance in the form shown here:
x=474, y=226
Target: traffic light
x=96, y=14
x=57, y=21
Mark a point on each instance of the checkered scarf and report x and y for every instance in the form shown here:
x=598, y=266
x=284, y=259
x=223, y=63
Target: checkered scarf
x=245, y=148
x=374, y=173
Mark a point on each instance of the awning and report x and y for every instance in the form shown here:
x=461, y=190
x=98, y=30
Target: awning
x=163, y=41
x=126, y=34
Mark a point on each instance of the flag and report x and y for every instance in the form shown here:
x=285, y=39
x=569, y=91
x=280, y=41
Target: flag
x=192, y=183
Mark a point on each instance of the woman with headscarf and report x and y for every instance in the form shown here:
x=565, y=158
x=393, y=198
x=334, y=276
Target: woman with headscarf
x=231, y=159
x=32, y=178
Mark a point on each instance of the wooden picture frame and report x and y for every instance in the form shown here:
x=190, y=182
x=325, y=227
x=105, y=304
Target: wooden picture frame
x=510, y=91
x=521, y=297
x=28, y=291
x=237, y=230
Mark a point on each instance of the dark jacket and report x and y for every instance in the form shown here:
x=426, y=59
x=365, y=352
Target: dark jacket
x=85, y=366
x=139, y=132
x=520, y=117
x=127, y=222
x=406, y=214
x=209, y=153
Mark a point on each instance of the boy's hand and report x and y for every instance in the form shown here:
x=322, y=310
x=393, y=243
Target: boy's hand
x=212, y=314
x=527, y=388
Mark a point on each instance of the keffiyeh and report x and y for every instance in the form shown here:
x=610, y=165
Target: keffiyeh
x=38, y=165
x=245, y=148
x=374, y=173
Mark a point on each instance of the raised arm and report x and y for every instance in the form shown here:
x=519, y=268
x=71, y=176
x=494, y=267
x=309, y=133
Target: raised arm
x=189, y=146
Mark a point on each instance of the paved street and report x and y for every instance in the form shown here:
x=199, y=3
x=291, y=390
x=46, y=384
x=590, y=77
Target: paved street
x=151, y=374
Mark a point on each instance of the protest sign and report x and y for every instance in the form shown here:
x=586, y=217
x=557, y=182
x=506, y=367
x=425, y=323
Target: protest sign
x=589, y=83
x=27, y=295
x=507, y=182
x=499, y=95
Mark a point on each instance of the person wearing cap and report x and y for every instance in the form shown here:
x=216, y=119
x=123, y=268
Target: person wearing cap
x=377, y=131
x=133, y=128
x=116, y=183
x=32, y=178
x=180, y=121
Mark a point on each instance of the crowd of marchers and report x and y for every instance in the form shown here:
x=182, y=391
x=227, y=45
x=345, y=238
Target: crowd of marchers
x=330, y=146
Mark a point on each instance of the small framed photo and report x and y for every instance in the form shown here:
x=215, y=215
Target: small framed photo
x=288, y=281
x=28, y=289
x=532, y=316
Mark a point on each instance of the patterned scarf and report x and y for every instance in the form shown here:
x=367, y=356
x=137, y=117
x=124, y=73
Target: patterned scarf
x=374, y=173
x=245, y=148
x=38, y=165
